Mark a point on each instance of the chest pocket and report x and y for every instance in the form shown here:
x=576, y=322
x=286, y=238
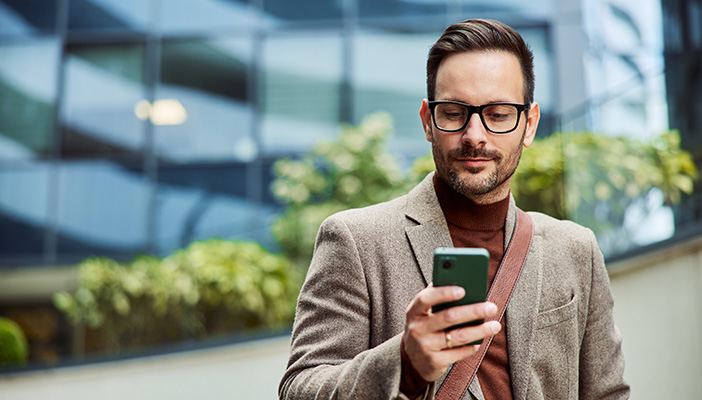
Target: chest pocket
x=555, y=351
x=556, y=315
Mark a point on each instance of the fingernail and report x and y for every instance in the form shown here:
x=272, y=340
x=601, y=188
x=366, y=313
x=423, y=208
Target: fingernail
x=495, y=327
x=490, y=309
x=459, y=292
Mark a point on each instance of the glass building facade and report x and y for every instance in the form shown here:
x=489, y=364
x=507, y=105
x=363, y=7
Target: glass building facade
x=130, y=127
x=133, y=127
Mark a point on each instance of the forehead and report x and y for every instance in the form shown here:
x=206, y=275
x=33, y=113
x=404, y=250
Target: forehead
x=479, y=77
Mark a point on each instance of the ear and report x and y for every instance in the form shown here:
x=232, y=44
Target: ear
x=532, y=123
x=425, y=115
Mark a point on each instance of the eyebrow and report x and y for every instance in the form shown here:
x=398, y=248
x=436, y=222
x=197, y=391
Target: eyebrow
x=489, y=102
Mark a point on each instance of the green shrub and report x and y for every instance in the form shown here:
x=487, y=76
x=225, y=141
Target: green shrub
x=593, y=179
x=213, y=287
x=587, y=177
x=354, y=171
x=13, y=344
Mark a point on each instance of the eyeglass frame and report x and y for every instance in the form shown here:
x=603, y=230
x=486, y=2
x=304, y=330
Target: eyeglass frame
x=478, y=109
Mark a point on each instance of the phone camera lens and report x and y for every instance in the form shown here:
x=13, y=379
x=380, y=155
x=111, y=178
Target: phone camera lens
x=447, y=264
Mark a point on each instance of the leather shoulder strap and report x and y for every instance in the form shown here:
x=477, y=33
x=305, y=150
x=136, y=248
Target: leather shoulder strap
x=462, y=373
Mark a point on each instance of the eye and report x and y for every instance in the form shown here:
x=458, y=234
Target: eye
x=497, y=116
x=500, y=113
x=452, y=112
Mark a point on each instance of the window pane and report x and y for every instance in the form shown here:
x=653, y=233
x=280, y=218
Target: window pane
x=102, y=210
x=537, y=40
x=279, y=11
x=301, y=90
x=24, y=194
x=19, y=17
x=103, y=86
x=397, y=9
x=27, y=92
x=203, y=201
x=393, y=82
x=507, y=9
x=108, y=15
x=179, y=17
x=209, y=79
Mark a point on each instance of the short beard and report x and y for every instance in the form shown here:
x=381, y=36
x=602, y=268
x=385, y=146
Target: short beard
x=490, y=183
x=486, y=186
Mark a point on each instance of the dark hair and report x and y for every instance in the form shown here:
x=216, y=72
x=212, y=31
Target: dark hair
x=481, y=35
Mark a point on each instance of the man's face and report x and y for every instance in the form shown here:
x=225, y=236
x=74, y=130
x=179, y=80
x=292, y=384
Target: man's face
x=475, y=162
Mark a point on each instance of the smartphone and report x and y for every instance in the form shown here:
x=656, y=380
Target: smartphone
x=466, y=267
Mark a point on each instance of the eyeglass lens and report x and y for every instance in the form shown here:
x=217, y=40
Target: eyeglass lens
x=497, y=118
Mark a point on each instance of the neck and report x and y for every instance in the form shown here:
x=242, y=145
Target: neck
x=495, y=195
x=498, y=194
x=461, y=211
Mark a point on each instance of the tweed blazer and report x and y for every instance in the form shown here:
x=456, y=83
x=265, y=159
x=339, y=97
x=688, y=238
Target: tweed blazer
x=368, y=265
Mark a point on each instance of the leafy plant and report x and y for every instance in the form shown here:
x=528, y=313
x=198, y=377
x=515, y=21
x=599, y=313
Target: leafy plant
x=594, y=179
x=13, y=344
x=211, y=288
x=606, y=178
x=588, y=177
x=354, y=171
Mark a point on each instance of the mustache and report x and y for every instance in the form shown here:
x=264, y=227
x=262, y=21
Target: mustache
x=474, y=152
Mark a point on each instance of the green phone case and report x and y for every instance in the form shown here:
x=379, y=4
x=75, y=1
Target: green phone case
x=466, y=267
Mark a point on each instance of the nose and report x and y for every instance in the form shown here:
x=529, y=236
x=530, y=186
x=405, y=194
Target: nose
x=474, y=134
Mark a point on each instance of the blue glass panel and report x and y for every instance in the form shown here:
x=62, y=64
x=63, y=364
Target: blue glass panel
x=301, y=90
x=187, y=17
x=508, y=11
x=24, y=212
x=102, y=210
x=205, y=84
x=280, y=11
x=109, y=16
x=27, y=91
x=203, y=201
x=21, y=17
x=103, y=87
x=393, y=81
x=401, y=8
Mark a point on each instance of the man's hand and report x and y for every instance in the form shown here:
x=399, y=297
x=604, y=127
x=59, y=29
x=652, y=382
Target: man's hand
x=425, y=341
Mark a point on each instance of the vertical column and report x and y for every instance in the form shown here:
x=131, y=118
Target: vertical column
x=254, y=168
x=50, y=253
x=350, y=20
x=568, y=47
x=682, y=27
x=150, y=159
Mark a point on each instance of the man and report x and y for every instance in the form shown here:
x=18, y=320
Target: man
x=364, y=328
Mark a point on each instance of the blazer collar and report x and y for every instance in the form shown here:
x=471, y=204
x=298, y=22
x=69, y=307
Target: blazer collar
x=431, y=230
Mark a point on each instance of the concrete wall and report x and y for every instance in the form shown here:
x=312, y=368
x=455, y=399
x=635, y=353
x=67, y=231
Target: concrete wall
x=658, y=309
x=244, y=371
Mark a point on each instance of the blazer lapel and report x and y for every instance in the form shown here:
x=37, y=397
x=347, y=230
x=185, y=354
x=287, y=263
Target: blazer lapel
x=520, y=316
x=430, y=230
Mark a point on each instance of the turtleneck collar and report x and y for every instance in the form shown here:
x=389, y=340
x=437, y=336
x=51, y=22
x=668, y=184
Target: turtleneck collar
x=465, y=213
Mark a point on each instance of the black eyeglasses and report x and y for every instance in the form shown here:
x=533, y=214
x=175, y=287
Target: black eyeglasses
x=499, y=118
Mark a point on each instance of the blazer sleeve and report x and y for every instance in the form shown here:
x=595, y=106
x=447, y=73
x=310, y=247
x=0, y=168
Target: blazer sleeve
x=601, y=357
x=330, y=354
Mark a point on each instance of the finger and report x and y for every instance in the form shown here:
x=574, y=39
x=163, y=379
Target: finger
x=463, y=336
x=450, y=356
x=462, y=314
x=431, y=296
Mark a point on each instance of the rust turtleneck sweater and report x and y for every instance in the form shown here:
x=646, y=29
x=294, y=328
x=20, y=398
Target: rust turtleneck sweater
x=473, y=225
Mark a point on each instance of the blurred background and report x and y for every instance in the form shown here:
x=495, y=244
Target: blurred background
x=164, y=165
